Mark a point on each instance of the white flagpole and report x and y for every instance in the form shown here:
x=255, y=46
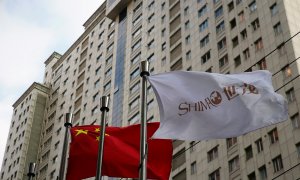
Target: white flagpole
x=68, y=125
x=104, y=108
x=31, y=172
x=144, y=72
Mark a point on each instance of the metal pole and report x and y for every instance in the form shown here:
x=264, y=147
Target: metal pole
x=104, y=108
x=31, y=172
x=68, y=124
x=144, y=72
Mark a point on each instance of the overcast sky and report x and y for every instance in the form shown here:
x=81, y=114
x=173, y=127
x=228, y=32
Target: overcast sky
x=30, y=31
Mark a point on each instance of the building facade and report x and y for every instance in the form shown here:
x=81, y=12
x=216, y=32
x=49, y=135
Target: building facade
x=221, y=36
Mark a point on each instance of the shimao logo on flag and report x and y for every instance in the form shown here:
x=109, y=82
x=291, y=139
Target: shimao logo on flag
x=199, y=105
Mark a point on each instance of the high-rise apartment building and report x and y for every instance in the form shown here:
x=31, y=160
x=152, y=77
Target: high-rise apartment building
x=222, y=36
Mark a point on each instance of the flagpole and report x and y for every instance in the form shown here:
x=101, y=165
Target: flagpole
x=68, y=125
x=31, y=172
x=144, y=72
x=104, y=108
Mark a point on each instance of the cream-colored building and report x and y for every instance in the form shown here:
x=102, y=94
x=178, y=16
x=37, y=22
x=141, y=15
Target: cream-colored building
x=223, y=36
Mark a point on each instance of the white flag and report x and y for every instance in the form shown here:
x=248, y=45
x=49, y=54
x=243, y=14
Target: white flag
x=199, y=105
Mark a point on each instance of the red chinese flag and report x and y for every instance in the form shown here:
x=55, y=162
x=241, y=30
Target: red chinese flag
x=121, y=156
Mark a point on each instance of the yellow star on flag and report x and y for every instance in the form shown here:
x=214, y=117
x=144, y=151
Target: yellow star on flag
x=81, y=131
x=98, y=130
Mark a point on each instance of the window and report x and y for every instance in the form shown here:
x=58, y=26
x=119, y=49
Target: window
x=135, y=73
x=277, y=29
x=163, y=46
x=108, y=72
x=277, y=163
x=136, y=45
x=290, y=95
x=150, y=45
x=138, y=7
x=249, y=152
x=230, y=6
x=286, y=71
x=150, y=31
x=136, y=59
x=163, y=61
x=252, y=7
x=234, y=164
x=219, y=12
x=151, y=58
x=273, y=135
x=97, y=84
x=194, y=168
x=238, y=2
x=134, y=103
x=110, y=36
x=52, y=174
x=192, y=146
x=187, y=25
x=233, y=23
x=150, y=104
x=262, y=173
x=255, y=24
x=204, y=41
x=163, y=32
x=295, y=121
x=252, y=176
x=212, y=154
x=241, y=16
x=298, y=149
x=56, y=145
x=135, y=88
x=107, y=86
x=134, y=118
x=163, y=5
x=222, y=44
x=274, y=9
x=137, y=20
x=188, y=40
x=237, y=61
x=150, y=18
x=188, y=55
x=163, y=19
x=220, y=27
x=231, y=141
x=214, y=175
x=246, y=54
x=216, y=1
x=258, y=44
x=151, y=6
x=262, y=64
x=95, y=97
x=203, y=25
x=259, y=145
x=244, y=34
x=202, y=11
x=281, y=49
x=94, y=110
x=223, y=61
x=235, y=42
x=205, y=57
x=97, y=71
x=110, y=47
x=136, y=33
x=186, y=11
